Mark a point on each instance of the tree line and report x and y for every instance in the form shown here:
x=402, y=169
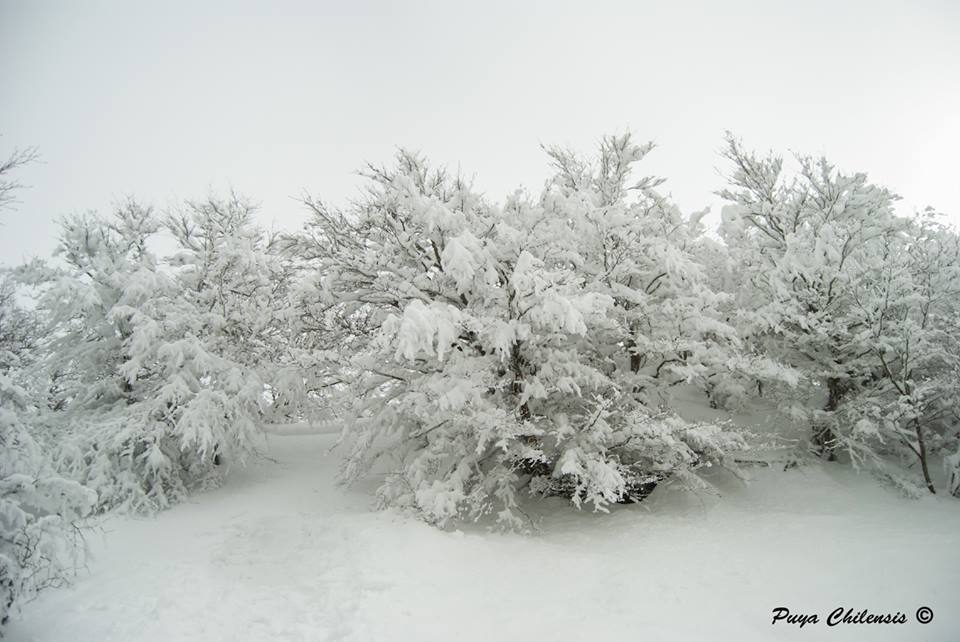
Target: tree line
x=474, y=351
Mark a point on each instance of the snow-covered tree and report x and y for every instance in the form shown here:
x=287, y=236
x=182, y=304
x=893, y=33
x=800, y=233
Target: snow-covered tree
x=40, y=540
x=18, y=328
x=41, y=543
x=802, y=246
x=506, y=346
x=910, y=307
x=862, y=301
x=238, y=279
x=9, y=185
x=107, y=291
x=638, y=249
x=154, y=371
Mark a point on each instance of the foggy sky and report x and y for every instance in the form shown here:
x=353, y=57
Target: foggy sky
x=167, y=100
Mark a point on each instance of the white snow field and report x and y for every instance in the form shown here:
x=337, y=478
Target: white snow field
x=281, y=553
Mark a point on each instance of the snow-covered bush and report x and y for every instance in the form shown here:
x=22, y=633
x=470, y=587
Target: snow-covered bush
x=659, y=269
x=155, y=379
x=532, y=343
x=18, y=328
x=40, y=540
x=910, y=408
x=236, y=279
x=802, y=246
x=861, y=301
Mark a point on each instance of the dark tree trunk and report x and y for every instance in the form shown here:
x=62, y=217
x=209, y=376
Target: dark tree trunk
x=517, y=368
x=838, y=389
x=922, y=454
x=824, y=439
x=636, y=360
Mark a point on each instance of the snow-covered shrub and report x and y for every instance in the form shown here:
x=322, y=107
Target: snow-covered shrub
x=802, y=246
x=909, y=408
x=155, y=374
x=18, y=328
x=237, y=278
x=861, y=301
x=660, y=270
x=530, y=343
x=40, y=540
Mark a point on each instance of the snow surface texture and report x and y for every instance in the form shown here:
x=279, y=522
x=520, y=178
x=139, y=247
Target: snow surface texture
x=281, y=553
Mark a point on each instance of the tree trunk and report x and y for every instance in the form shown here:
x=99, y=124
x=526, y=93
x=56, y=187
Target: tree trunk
x=824, y=439
x=517, y=367
x=922, y=454
x=636, y=360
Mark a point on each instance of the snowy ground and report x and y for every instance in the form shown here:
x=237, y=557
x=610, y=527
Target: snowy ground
x=282, y=554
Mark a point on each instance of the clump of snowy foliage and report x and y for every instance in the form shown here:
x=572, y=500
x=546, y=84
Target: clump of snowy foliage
x=530, y=344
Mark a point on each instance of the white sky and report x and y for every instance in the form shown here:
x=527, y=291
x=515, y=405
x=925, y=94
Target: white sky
x=164, y=100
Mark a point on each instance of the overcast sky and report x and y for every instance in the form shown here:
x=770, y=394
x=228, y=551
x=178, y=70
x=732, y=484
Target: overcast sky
x=166, y=100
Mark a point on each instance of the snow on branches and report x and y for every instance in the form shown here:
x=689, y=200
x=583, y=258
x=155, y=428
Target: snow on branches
x=40, y=511
x=861, y=301
x=475, y=351
x=154, y=380
x=529, y=344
